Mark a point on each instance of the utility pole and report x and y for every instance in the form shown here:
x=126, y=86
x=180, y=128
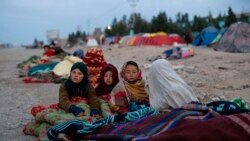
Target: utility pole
x=78, y=28
x=133, y=5
x=88, y=25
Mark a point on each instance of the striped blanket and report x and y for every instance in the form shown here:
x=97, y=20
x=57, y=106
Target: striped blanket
x=160, y=126
x=82, y=128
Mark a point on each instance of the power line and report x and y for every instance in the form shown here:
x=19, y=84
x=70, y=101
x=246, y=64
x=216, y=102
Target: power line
x=106, y=14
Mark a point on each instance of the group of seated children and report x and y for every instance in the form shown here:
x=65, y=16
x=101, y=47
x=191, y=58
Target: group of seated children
x=166, y=89
x=162, y=89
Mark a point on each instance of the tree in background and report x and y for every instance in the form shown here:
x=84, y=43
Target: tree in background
x=140, y=25
x=243, y=18
x=210, y=20
x=74, y=38
x=172, y=27
x=219, y=19
x=198, y=23
x=231, y=18
x=161, y=22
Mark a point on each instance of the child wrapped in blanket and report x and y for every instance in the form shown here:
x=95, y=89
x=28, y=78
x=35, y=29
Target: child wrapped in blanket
x=78, y=88
x=130, y=89
x=108, y=80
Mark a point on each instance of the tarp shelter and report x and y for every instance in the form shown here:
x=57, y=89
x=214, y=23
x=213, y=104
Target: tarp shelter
x=206, y=37
x=153, y=39
x=92, y=42
x=235, y=39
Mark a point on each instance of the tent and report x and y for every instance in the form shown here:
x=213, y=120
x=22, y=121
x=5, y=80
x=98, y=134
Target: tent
x=206, y=37
x=218, y=37
x=235, y=39
x=92, y=42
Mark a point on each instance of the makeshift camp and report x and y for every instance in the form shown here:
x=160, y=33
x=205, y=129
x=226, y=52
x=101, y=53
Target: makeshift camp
x=235, y=39
x=206, y=37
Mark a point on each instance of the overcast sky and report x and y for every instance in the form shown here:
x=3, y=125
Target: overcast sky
x=23, y=20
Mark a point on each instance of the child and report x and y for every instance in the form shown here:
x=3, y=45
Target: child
x=48, y=51
x=166, y=88
x=77, y=86
x=130, y=89
x=108, y=79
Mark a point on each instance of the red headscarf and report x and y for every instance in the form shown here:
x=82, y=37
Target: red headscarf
x=103, y=88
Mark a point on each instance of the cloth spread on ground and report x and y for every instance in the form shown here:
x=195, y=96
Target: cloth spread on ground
x=29, y=79
x=227, y=107
x=41, y=68
x=32, y=59
x=141, y=126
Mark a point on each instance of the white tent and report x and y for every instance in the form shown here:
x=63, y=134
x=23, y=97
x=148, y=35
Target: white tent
x=92, y=42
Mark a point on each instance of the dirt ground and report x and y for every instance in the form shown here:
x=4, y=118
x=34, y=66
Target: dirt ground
x=213, y=76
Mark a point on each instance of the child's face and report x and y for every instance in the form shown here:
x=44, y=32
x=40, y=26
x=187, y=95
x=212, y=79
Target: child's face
x=131, y=73
x=46, y=49
x=76, y=76
x=108, y=79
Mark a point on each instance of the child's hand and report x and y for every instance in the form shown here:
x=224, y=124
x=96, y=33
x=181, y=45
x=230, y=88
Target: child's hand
x=94, y=112
x=114, y=108
x=81, y=114
x=97, y=116
x=76, y=110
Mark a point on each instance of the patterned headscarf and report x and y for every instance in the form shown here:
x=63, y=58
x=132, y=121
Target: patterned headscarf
x=78, y=89
x=103, y=88
x=122, y=73
x=135, y=90
x=94, y=59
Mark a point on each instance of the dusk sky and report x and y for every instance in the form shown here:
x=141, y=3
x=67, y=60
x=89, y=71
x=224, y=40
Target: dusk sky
x=21, y=21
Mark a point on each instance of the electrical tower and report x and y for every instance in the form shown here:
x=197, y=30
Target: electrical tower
x=133, y=5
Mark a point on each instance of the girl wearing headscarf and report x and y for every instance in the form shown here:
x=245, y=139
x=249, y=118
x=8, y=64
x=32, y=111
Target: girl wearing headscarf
x=108, y=79
x=78, y=89
x=131, y=89
x=166, y=88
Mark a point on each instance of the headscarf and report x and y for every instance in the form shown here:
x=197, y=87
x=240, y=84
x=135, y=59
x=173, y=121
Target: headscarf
x=123, y=69
x=103, y=88
x=79, y=53
x=78, y=89
x=166, y=88
x=136, y=91
x=94, y=59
